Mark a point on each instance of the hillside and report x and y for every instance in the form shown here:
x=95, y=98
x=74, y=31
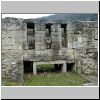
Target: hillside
x=73, y=17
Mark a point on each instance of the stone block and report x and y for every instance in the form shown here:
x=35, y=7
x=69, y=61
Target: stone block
x=48, y=52
x=3, y=26
x=70, y=45
x=56, y=46
x=40, y=52
x=56, y=28
x=39, y=27
x=5, y=41
x=39, y=46
x=18, y=35
x=96, y=33
x=12, y=41
x=70, y=37
x=77, y=45
x=47, y=58
x=11, y=27
x=30, y=32
x=56, y=39
x=19, y=27
x=12, y=34
x=39, y=32
x=4, y=34
x=39, y=37
x=25, y=44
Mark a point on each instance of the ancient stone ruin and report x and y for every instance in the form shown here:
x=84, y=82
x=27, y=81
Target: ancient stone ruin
x=68, y=45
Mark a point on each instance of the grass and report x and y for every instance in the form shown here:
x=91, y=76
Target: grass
x=45, y=68
x=54, y=79
x=48, y=77
x=7, y=82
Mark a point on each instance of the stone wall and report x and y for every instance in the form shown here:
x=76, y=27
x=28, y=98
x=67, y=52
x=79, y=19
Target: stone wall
x=86, y=49
x=82, y=45
x=12, y=51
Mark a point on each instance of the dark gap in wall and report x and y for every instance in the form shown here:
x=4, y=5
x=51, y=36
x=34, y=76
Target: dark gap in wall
x=58, y=67
x=28, y=67
x=49, y=68
x=70, y=66
x=64, y=35
x=64, y=27
x=31, y=35
x=48, y=26
x=48, y=35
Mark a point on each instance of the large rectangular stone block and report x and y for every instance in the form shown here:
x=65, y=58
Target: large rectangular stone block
x=25, y=44
x=39, y=37
x=70, y=44
x=39, y=46
x=40, y=52
x=39, y=32
x=56, y=39
x=24, y=32
x=48, y=52
x=60, y=52
x=70, y=37
x=18, y=35
x=5, y=41
x=4, y=34
x=95, y=44
x=11, y=27
x=29, y=52
x=19, y=46
x=96, y=33
x=30, y=32
x=56, y=28
x=77, y=45
x=39, y=27
x=3, y=26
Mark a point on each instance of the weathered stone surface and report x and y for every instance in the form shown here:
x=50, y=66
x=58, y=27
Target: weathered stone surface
x=40, y=26
x=56, y=28
x=81, y=49
x=39, y=37
x=77, y=45
x=39, y=46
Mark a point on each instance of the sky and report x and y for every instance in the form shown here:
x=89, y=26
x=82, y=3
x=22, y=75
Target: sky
x=25, y=16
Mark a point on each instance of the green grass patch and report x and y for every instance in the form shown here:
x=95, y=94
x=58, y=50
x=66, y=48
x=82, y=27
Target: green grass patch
x=50, y=79
x=54, y=79
x=45, y=68
x=7, y=82
x=48, y=76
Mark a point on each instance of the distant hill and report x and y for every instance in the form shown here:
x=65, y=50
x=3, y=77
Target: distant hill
x=73, y=17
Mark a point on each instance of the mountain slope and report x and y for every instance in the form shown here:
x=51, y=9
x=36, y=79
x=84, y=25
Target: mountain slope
x=73, y=17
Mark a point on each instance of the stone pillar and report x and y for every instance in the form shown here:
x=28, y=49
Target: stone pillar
x=74, y=67
x=34, y=69
x=64, y=68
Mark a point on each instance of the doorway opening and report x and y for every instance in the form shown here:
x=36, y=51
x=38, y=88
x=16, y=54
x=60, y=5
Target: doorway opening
x=28, y=67
x=57, y=67
x=49, y=68
x=70, y=66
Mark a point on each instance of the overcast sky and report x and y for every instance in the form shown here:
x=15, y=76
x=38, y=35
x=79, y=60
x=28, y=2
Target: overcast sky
x=25, y=16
